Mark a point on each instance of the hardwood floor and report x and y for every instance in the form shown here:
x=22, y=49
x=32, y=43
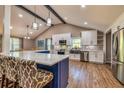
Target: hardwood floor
x=90, y=75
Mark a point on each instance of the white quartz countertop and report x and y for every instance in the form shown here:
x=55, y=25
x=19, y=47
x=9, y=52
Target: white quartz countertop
x=93, y=50
x=41, y=58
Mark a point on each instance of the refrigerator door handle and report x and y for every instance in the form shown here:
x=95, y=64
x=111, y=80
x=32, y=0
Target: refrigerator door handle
x=116, y=46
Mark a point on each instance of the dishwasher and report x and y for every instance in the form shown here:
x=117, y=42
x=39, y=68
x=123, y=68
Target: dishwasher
x=84, y=56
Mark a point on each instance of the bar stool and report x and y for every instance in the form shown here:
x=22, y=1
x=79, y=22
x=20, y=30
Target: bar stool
x=2, y=74
x=11, y=71
x=31, y=77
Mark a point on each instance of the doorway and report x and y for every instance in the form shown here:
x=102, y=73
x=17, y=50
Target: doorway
x=108, y=46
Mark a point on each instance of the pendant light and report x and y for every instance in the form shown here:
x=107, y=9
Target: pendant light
x=49, y=21
x=27, y=35
x=35, y=25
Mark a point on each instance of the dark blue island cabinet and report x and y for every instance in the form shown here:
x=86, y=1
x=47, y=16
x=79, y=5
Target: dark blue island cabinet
x=60, y=71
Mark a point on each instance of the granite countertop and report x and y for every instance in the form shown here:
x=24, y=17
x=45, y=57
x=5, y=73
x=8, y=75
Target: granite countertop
x=40, y=58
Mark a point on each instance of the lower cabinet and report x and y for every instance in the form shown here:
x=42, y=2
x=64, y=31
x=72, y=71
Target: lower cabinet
x=92, y=56
x=100, y=57
x=74, y=56
x=96, y=56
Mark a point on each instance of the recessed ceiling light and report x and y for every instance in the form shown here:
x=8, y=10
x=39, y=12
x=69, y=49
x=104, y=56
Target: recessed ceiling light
x=65, y=18
x=85, y=23
x=40, y=24
x=25, y=37
x=28, y=37
x=20, y=15
x=11, y=27
x=83, y=6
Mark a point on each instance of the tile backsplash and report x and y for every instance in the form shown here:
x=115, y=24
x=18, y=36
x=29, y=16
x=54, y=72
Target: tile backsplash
x=94, y=48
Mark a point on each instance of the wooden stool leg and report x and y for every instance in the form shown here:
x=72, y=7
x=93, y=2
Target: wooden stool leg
x=15, y=85
x=3, y=79
x=6, y=85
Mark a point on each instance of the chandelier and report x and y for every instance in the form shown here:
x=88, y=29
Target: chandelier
x=49, y=21
x=35, y=24
x=27, y=34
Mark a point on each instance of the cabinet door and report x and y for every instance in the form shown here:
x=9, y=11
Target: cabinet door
x=83, y=39
x=93, y=37
x=92, y=57
x=89, y=38
x=74, y=56
x=86, y=38
x=100, y=57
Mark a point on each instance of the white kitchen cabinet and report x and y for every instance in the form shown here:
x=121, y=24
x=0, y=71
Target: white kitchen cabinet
x=96, y=56
x=74, y=56
x=92, y=56
x=57, y=37
x=55, y=40
x=93, y=37
x=89, y=37
x=100, y=57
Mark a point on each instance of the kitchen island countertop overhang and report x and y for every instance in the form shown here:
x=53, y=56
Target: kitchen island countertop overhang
x=40, y=58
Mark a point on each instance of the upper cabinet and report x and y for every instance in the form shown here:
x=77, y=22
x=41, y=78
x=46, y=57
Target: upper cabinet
x=57, y=37
x=89, y=37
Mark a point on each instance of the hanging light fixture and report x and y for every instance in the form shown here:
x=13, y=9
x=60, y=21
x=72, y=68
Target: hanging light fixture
x=27, y=35
x=35, y=25
x=49, y=21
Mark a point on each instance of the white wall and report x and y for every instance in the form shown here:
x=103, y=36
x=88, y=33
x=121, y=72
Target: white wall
x=28, y=44
x=118, y=22
x=60, y=29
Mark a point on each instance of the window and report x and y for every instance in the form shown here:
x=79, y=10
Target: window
x=76, y=42
x=15, y=44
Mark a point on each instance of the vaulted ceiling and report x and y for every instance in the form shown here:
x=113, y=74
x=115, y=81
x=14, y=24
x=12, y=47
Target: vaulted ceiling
x=97, y=16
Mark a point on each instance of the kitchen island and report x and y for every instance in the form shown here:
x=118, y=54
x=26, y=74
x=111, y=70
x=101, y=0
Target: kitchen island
x=57, y=64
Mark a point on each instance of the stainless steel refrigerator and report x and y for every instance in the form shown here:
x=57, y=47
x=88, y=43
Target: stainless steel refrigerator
x=118, y=55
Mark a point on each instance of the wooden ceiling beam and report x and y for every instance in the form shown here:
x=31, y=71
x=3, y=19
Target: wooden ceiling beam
x=32, y=13
x=55, y=13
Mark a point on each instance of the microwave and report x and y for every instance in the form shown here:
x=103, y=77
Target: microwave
x=62, y=42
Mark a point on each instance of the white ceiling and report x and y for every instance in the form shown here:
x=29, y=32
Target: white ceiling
x=98, y=17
